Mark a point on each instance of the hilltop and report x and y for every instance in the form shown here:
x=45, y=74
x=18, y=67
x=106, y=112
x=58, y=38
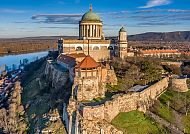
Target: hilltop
x=164, y=36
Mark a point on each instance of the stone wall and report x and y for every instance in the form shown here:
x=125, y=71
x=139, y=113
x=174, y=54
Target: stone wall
x=179, y=85
x=112, y=79
x=125, y=103
x=88, y=88
x=94, y=127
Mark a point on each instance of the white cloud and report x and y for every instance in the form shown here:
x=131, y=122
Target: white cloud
x=153, y=3
x=4, y=10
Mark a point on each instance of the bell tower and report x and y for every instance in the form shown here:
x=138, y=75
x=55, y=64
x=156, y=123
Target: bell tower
x=122, y=43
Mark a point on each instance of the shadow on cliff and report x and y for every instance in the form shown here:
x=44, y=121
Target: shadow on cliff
x=39, y=97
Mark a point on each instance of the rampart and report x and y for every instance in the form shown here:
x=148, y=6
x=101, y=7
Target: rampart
x=125, y=103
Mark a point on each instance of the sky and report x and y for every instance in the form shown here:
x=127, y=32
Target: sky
x=26, y=18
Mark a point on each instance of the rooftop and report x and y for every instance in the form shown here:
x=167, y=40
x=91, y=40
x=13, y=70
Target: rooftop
x=159, y=51
x=122, y=30
x=87, y=62
x=90, y=16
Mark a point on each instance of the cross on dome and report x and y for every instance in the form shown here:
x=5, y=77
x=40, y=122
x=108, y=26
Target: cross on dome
x=90, y=7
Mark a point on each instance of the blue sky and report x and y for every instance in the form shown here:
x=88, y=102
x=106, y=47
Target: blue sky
x=24, y=18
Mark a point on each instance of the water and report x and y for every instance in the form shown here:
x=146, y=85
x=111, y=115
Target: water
x=13, y=61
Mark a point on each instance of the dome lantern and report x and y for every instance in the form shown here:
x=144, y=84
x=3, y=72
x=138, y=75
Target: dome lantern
x=90, y=16
x=122, y=30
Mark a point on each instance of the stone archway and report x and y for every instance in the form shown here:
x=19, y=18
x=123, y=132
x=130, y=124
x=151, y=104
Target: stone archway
x=96, y=48
x=79, y=48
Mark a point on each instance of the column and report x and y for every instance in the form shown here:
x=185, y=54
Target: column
x=77, y=124
x=95, y=31
x=94, y=27
x=70, y=123
x=87, y=31
x=87, y=27
x=80, y=31
x=98, y=30
x=90, y=30
x=83, y=30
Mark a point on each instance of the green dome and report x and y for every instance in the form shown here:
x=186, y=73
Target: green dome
x=122, y=30
x=90, y=16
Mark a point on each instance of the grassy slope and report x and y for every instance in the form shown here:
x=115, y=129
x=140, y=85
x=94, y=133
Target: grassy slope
x=136, y=122
x=171, y=102
x=168, y=103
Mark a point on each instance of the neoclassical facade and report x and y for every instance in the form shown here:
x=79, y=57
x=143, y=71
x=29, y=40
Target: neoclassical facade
x=90, y=26
x=92, y=41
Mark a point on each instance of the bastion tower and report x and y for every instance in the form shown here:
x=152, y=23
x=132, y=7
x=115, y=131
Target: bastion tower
x=122, y=43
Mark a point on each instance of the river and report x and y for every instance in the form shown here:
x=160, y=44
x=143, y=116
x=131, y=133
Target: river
x=14, y=60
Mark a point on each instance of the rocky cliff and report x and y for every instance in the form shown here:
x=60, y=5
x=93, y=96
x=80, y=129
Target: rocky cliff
x=56, y=75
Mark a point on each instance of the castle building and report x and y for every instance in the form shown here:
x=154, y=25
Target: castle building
x=86, y=59
x=91, y=40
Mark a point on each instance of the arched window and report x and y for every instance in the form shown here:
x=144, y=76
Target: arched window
x=96, y=48
x=79, y=48
x=110, y=48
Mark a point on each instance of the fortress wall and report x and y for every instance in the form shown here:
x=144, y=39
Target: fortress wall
x=112, y=79
x=125, y=102
x=102, y=127
x=179, y=85
x=154, y=90
x=89, y=88
x=93, y=113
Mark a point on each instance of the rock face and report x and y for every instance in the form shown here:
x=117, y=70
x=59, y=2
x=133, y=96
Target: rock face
x=56, y=74
x=11, y=120
x=179, y=85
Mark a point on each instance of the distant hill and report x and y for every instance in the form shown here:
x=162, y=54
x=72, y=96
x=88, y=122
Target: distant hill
x=150, y=36
x=41, y=38
x=168, y=36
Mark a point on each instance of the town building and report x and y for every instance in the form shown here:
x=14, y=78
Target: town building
x=159, y=53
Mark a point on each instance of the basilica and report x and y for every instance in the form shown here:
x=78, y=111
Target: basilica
x=92, y=42
x=86, y=60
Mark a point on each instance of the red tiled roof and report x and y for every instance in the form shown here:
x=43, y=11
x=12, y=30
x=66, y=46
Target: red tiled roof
x=87, y=62
x=159, y=51
x=187, y=53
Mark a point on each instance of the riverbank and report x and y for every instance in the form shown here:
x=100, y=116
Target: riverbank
x=13, y=62
x=26, y=45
